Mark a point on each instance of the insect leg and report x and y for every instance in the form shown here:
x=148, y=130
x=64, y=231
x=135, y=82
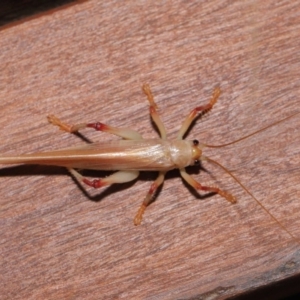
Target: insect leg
x=153, y=112
x=125, y=133
x=203, y=109
x=196, y=185
x=154, y=186
x=118, y=177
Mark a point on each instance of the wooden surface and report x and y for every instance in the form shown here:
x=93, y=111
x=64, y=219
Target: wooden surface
x=88, y=62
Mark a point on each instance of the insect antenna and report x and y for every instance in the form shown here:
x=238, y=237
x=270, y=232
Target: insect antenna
x=251, y=195
x=239, y=182
x=251, y=134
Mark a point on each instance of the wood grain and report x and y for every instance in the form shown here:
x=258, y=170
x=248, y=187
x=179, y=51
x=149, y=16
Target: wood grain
x=88, y=62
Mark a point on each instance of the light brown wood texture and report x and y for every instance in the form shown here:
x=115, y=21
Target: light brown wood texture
x=87, y=62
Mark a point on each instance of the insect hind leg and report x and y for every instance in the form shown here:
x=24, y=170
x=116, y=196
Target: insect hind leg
x=124, y=133
x=117, y=177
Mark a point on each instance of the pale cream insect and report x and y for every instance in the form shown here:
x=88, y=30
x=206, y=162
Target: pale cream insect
x=134, y=154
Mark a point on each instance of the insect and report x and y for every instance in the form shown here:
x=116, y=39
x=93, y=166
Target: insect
x=132, y=154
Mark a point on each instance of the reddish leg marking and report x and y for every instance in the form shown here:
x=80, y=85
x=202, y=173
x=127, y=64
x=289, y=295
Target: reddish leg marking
x=95, y=183
x=97, y=126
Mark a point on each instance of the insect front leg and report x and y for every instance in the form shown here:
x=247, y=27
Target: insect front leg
x=124, y=133
x=196, y=185
x=203, y=109
x=153, y=112
x=117, y=177
x=159, y=180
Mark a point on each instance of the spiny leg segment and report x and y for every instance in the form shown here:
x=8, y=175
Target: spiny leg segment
x=154, y=186
x=199, y=110
x=197, y=186
x=153, y=112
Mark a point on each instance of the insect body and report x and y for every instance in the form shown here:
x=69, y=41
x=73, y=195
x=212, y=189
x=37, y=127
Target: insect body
x=140, y=155
x=133, y=154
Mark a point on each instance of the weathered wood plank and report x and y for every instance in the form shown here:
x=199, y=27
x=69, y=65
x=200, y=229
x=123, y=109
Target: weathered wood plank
x=88, y=62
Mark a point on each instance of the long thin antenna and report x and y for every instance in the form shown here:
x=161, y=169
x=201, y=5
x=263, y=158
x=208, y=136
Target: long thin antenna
x=251, y=134
x=257, y=201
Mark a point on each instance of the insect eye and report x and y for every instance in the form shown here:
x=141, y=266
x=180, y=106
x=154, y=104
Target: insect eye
x=195, y=142
x=197, y=162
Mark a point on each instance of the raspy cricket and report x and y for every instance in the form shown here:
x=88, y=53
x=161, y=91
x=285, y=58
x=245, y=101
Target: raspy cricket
x=132, y=154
